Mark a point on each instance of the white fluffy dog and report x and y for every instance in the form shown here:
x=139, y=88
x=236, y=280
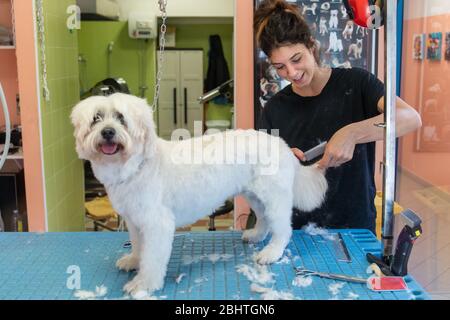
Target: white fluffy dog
x=333, y=19
x=156, y=186
x=323, y=26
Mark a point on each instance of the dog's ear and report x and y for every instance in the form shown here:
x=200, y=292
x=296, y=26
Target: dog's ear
x=80, y=120
x=144, y=130
x=150, y=129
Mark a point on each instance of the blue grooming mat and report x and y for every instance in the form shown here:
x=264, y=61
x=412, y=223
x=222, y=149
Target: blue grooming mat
x=203, y=265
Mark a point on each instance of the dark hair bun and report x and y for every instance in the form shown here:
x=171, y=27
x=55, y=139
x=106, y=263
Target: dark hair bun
x=278, y=23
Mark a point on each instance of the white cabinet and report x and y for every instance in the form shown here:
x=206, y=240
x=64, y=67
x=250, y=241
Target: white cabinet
x=181, y=85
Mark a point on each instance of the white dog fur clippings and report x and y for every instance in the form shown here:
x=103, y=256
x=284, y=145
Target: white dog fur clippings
x=258, y=274
x=158, y=185
x=302, y=281
x=284, y=260
x=213, y=257
x=271, y=294
x=89, y=295
x=352, y=296
x=335, y=288
x=313, y=230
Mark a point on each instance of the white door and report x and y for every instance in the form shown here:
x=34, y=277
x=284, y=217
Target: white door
x=181, y=85
x=191, y=71
x=170, y=96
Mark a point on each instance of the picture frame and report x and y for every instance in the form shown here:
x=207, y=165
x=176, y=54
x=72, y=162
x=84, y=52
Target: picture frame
x=434, y=46
x=447, y=46
x=418, y=46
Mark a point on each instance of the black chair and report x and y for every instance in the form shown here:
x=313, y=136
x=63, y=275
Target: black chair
x=227, y=207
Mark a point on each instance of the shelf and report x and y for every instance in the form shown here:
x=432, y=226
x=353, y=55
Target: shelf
x=15, y=156
x=7, y=47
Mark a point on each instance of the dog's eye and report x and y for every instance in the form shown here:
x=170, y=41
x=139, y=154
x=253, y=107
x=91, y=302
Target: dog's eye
x=97, y=118
x=120, y=117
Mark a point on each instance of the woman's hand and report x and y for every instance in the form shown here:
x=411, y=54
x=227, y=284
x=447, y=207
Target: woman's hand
x=299, y=154
x=339, y=149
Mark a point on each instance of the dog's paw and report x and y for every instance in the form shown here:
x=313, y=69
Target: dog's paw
x=142, y=286
x=253, y=236
x=269, y=255
x=128, y=262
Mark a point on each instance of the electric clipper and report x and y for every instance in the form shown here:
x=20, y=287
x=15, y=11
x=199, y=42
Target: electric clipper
x=409, y=234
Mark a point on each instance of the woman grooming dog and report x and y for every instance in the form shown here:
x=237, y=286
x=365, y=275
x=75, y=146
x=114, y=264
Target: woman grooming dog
x=340, y=106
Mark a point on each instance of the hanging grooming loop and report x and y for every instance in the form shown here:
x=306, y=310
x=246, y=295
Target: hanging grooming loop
x=162, y=44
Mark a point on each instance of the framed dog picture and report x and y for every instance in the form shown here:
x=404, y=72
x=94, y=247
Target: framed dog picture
x=434, y=46
x=418, y=46
x=447, y=46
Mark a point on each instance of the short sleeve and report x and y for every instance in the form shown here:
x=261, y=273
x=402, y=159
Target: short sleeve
x=372, y=90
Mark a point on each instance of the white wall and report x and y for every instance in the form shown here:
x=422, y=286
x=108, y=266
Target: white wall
x=424, y=8
x=180, y=8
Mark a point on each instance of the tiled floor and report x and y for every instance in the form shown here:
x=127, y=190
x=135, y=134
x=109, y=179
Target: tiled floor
x=430, y=258
x=222, y=223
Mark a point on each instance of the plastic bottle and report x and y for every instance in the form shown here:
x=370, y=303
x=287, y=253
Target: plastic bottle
x=17, y=221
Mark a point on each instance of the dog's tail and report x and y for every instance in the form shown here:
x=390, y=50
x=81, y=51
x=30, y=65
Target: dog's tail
x=310, y=187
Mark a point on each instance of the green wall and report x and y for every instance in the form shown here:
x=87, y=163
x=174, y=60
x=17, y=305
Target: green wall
x=93, y=40
x=63, y=171
x=197, y=36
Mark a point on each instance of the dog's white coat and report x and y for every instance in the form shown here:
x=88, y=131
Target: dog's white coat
x=155, y=194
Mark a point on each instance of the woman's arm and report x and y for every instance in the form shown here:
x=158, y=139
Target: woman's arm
x=341, y=146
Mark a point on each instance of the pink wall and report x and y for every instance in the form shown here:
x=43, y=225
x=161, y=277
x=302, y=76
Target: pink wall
x=27, y=74
x=8, y=79
x=418, y=77
x=8, y=68
x=5, y=13
x=244, y=108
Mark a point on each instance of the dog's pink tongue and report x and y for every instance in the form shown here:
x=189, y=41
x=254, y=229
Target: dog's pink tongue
x=109, y=148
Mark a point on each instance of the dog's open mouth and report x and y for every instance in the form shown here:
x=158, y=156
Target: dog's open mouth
x=110, y=148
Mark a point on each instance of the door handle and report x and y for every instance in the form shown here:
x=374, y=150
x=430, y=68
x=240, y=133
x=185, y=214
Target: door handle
x=174, y=105
x=185, y=106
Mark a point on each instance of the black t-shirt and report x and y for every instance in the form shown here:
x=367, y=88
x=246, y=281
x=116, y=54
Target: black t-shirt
x=350, y=95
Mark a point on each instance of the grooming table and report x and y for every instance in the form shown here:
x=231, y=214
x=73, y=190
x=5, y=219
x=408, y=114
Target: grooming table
x=203, y=265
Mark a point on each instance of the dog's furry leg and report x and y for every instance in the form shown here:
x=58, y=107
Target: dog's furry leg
x=260, y=230
x=130, y=261
x=277, y=213
x=156, y=247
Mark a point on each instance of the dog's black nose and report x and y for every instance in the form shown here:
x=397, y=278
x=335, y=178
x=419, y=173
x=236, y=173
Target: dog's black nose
x=108, y=133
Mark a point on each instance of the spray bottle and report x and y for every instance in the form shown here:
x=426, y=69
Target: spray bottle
x=17, y=221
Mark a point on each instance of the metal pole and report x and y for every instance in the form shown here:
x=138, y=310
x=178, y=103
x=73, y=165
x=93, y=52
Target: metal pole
x=390, y=37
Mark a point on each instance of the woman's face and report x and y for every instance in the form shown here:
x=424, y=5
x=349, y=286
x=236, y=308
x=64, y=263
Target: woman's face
x=294, y=63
